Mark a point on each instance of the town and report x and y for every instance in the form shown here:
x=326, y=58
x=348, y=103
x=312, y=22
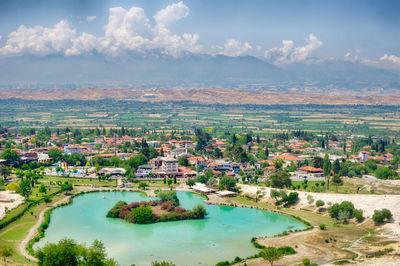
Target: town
x=241, y=169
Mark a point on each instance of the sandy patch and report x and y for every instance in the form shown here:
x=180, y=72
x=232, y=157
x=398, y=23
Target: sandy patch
x=15, y=201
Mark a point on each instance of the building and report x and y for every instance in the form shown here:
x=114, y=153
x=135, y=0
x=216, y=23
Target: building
x=309, y=170
x=363, y=155
x=169, y=165
x=144, y=170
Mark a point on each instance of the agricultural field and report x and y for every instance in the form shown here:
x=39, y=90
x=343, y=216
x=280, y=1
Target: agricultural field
x=167, y=116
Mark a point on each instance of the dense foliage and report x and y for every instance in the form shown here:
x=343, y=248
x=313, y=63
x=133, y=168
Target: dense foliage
x=345, y=211
x=68, y=252
x=142, y=212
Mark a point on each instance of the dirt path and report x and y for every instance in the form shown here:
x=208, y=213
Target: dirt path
x=33, y=231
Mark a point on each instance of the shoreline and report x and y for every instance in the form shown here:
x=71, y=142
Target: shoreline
x=26, y=246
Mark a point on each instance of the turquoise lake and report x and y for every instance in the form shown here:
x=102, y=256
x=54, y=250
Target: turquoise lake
x=223, y=235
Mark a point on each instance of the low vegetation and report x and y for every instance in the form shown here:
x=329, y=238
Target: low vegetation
x=165, y=209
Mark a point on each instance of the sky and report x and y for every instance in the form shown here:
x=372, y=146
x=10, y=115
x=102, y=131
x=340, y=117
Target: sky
x=280, y=31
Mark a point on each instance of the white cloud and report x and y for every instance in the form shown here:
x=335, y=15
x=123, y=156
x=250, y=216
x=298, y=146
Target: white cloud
x=84, y=44
x=39, y=40
x=349, y=58
x=90, y=18
x=171, y=13
x=288, y=53
x=390, y=59
x=233, y=47
x=127, y=30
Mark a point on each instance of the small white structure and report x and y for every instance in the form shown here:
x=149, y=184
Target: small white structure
x=201, y=188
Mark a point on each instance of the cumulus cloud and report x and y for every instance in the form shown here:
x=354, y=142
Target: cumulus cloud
x=289, y=53
x=171, y=14
x=39, y=40
x=90, y=18
x=127, y=30
x=390, y=59
x=233, y=47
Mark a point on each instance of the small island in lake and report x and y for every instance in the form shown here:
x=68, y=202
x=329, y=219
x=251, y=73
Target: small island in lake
x=147, y=212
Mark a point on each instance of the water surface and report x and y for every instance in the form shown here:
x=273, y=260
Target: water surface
x=223, y=235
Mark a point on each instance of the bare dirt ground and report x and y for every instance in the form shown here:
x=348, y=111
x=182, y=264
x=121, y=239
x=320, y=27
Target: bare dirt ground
x=15, y=201
x=367, y=202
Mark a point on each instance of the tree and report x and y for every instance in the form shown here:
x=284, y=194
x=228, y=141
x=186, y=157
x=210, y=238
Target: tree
x=5, y=252
x=278, y=163
x=143, y=185
x=199, y=211
x=183, y=161
x=317, y=162
x=56, y=154
x=190, y=183
x=281, y=179
x=385, y=173
x=228, y=183
x=42, y=189
x=4, y=171
x=381, y=216
x=266, y=153
x=336, y=166
x=319, y=203
x=66, y=252
x=24, y=188
x=10, y=156
x=143, y=215
x=274, y=194
x=327, y=168
x=337, y=181
x=168, y=195
x=271, y=254
x=169, y=181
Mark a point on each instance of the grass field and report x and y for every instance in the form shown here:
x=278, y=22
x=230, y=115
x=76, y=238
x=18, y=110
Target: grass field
x=14, y=233
x=378, y=120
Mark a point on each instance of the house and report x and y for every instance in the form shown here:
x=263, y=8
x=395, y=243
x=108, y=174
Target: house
x=363, y=155
x=197, y=161
x=30, y=156
x=144, y=170
x=72, y=149
x=43, y=158
x=309, y=170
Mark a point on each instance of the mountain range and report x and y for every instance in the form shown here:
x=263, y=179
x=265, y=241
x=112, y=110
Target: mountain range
x=208, y=70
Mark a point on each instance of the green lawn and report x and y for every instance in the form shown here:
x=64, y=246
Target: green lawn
x=15, y=232
x=79, y=181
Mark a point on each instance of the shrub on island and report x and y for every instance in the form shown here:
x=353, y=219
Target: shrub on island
x=165, y=209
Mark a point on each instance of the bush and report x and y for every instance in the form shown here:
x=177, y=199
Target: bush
x=358, y=214
x=286, y=250
x=322, y=226
x=319, y=203
x=114, y=212
x=381, y=216
x=168, y=195
x=143, y=215
x=199, y=211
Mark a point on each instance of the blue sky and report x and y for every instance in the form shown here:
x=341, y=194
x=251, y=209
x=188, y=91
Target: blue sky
x=282, y=31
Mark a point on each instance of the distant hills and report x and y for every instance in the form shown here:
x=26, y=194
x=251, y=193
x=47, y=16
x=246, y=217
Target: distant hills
x=202, y=96
x=213, y=71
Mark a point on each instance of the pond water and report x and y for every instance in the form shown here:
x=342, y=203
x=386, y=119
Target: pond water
x=223, y=235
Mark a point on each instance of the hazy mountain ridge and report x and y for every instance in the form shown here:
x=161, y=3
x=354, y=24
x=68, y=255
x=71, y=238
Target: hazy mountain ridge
x=209, y=70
